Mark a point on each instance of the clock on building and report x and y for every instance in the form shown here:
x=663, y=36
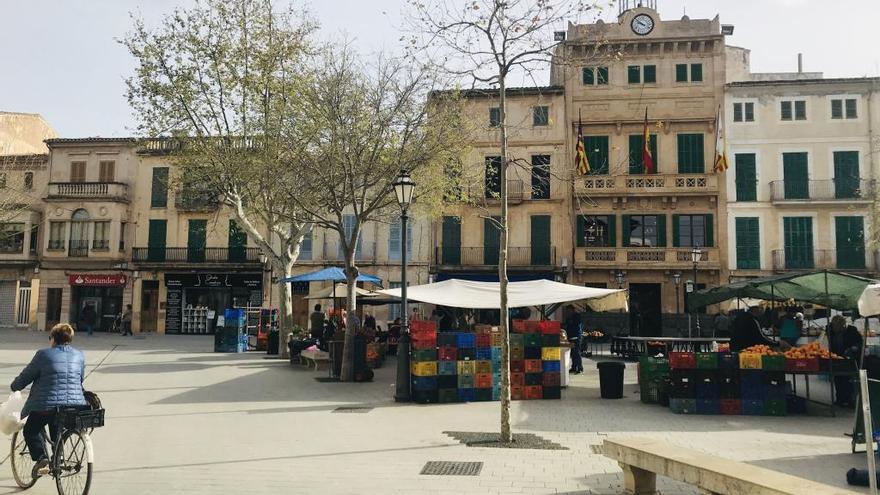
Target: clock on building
x=642, y=24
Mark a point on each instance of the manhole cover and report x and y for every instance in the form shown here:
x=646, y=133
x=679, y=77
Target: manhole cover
x=447, y=468
x=352, y=409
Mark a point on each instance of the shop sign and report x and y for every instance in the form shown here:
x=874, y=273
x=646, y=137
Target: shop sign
x=97, y=279
x=214, y=280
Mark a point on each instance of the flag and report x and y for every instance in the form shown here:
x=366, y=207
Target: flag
x=647, y=159
x=720, y=145
x=581, y=162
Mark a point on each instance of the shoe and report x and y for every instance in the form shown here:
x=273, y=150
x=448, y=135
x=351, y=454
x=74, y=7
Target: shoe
x=41, y=468
x=572, y=370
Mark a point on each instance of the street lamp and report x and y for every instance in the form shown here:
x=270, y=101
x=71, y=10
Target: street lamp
x=696, y=256
x=619, y=276
x=264, y=262
x=403, y=188
x=676, y=279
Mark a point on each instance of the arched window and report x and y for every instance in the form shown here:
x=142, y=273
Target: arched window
x=80, y=215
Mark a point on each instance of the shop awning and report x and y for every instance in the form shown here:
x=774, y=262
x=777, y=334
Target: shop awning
x=836, y=290
x=332, y=274
x=486, y=295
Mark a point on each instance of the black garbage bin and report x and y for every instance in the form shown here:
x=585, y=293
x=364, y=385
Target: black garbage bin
x=611, y=379
x=273, y=341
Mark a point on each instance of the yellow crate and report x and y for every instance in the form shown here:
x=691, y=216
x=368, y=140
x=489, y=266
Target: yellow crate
x=428, y=368
x=467, y=368
x=551, y=353
x=482, y=328
x=749, y=361
x=497, y=340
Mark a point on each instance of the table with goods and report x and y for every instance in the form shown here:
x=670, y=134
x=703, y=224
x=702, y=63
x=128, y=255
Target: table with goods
x=751, y=382
x=634, y=347
x=466, y=366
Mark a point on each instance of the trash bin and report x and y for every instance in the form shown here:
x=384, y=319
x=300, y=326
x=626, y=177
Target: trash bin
x=611, y=379
x=272, y=341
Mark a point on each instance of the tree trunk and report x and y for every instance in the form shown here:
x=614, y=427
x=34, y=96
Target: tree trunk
x=351, y=274
x=506, y=434
x=285, y=313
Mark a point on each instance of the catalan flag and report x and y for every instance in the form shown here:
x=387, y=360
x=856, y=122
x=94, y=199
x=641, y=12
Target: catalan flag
x=581, y=162
x=647, y=159
x=720, y=145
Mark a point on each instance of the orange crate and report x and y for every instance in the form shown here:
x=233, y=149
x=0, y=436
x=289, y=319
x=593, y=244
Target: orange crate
x=483, y=380
x=484, y=340
x=422, y=326
x=533, y=326
x=518, y=379
x=534, y=392
x=534, y=366
x=517, y=392
x=519, y=326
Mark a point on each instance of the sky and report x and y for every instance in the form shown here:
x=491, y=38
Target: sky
x=60, y=58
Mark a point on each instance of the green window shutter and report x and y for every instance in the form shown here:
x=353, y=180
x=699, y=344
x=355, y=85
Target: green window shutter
x=602, y=75
x=626, y=228
x=612, y=230
x=690, y=154
x=654, y=155
x=737, y=112
x=661, y=230
x=696, y=72
x=159, y=192
x=683, y=152
x=795, y=174
x=156, y=240
x=850, y=238
x=588, y=77
x=836, y=109
x=785, y=110
x=710, y=230
x=800, y=110
x=748, y=249
x=635, y=153
x=540, y=237
x=676, y=219
x=681, y=72
x=798, y=242
x=851, y=108
x=597, y=154
x=634, y=74
x=746, y=179
x=846, y=175
x=581, y=231
x=650, y=74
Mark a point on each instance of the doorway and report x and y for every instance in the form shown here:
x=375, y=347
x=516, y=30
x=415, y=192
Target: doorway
x=53, y=307
x=149, y=305
x=645, y=310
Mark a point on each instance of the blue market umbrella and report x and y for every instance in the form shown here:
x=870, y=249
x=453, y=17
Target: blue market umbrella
x=332, y=274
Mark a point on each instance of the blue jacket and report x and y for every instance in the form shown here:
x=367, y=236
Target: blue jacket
x=57, y=375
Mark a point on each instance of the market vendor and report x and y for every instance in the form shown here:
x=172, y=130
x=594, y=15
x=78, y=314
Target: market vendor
x=747, y=331
x=844, y=340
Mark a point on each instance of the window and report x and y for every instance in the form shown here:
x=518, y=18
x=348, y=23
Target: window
x=394, y=309
x=28, y=181
x=636, y=155
x=634, y=74
x=107, y=171
x=746, y=177
x=57, y=234
x=681, y=73
x=493, y=176
x=798, y=239
x=122, y=228
x=795, y=174
x=540, y=116
x=696, y=72
x=77, y=171
x=650, y=74
x=542, y=252
x=101, y=238
x=11, y=237
x=394, y=240
x=159, y=192
x=305, y=249
x=847, y=184
x=494, y=117
x=799, y=110
x=849, y=105
x=595, y=76
x=644, y=231
x=597, y=154
x=748, y=244
x=541, y=177
x=637, y=74
x=596, y=231
x=744, y=112
x=849, y=234
x=348, y=224
x=692, y=231
x=785, y=110
x=690, y=154
x=35, y=238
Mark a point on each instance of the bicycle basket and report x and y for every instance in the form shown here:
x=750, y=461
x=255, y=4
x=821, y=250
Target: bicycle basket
x=73, y=419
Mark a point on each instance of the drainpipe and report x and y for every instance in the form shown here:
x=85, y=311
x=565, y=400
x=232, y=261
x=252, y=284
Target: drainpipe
x=871, y=151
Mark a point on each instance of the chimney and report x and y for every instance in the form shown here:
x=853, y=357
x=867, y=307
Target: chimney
x=800, y=63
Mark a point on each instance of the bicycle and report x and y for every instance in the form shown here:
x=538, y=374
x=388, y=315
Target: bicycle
x=72, y=453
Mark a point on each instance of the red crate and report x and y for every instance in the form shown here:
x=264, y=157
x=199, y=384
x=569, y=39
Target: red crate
x=731, y=407
x=534, y=366
x=552, y=379
x=424, y=343
x=518, y=379
x=422, y=326
x=484, y=340
x=482, y=328
x=517, y=392
x=550, y=327
x=518, y=366
x=533, y=326
x=802, y=365
x=534, y=392
x=682, y=360
x=483, y=380
x=448, y=354
x=519, y=326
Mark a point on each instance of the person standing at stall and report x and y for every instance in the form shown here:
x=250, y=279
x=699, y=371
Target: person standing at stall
x=574, y=330
x=844, y=340
x=747, y=331
x=316, y=319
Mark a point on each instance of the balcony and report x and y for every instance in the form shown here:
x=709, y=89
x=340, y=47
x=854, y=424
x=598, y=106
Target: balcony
x=88, y=191
x=78, y=249
x=805, y=258
x=637, y=257
x=165, y=255
x=652, y=185
x=487, y=256
x=817, y=191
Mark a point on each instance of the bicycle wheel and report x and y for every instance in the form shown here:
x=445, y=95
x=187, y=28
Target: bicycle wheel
x=22, y=465
x=71, y=466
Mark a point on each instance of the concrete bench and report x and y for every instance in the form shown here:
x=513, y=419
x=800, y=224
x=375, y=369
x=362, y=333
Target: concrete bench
x=314, y=357
x=643, y=459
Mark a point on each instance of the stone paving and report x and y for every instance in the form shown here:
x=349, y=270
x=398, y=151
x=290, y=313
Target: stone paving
x=182, y=419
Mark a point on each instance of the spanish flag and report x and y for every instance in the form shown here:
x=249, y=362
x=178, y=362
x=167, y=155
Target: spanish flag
x=582, y=164
x=647, y=159
x=720, y=145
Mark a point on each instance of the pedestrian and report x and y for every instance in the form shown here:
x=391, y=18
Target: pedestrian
x=87, y=318
x=574, y=329
x=788, y=327
x=126, y=321
x=844, y=340
x=721, y=324
x=316, y=320
x=747, y=331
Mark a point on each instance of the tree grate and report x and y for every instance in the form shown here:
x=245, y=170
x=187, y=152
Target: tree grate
x=353, y=409
x=449, y=468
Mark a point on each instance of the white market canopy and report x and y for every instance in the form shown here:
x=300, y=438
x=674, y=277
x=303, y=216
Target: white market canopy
x=339, y=291
x=869, y=301
x=487, y=295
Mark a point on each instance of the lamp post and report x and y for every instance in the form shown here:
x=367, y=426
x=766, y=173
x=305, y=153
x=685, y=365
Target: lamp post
x=619, y=277
x=676, y=279
x=264, y=261
x=696, y=255
x=403, y=188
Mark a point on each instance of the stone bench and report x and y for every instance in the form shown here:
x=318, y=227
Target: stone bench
x=314, y=357
x=643, y=459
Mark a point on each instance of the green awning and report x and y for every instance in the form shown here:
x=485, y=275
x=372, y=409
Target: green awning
x=836, y=290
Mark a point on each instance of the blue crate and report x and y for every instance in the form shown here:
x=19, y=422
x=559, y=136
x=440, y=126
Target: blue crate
x=496, y=393
x=496, y=367
x=708, y=406
x=752, y=407
x=708, y=391
x=466, y=395
x=496, y=379
x=496, y=354
x=775, y=391
x=466, y=381
x=552, y=366
x=683, y=406
x=447, y=367
x=424, y=383
x=484, y=353
x=465, y=340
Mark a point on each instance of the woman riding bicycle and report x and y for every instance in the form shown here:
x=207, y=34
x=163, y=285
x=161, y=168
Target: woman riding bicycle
x=56, y=374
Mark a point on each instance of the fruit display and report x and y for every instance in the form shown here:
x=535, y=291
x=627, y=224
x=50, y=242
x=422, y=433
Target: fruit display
x=595, y=334
x=655, y=343
x=763, y=350
x=810, y=351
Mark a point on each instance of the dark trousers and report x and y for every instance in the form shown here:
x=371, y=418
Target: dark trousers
x=126, y=328
x=577, y=363
x=33, y=429
x=843, y=388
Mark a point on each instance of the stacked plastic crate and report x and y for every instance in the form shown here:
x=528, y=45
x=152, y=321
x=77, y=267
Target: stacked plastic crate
x=232, y=336
x=653, y=375
x=423, y=359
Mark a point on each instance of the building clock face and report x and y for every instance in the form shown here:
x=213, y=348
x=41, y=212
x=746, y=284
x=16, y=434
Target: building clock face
x=642, y=24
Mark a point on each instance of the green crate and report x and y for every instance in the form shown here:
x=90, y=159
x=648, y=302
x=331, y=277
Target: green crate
x=421, y=355
x=707, y=360
x=517, y=340
x=775, y=407
x=532, y=339
x=447, y=395
x=653, y=368
x=773, y=363
x=653, y=391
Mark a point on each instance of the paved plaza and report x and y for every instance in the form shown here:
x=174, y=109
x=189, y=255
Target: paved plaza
x=182, y=419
